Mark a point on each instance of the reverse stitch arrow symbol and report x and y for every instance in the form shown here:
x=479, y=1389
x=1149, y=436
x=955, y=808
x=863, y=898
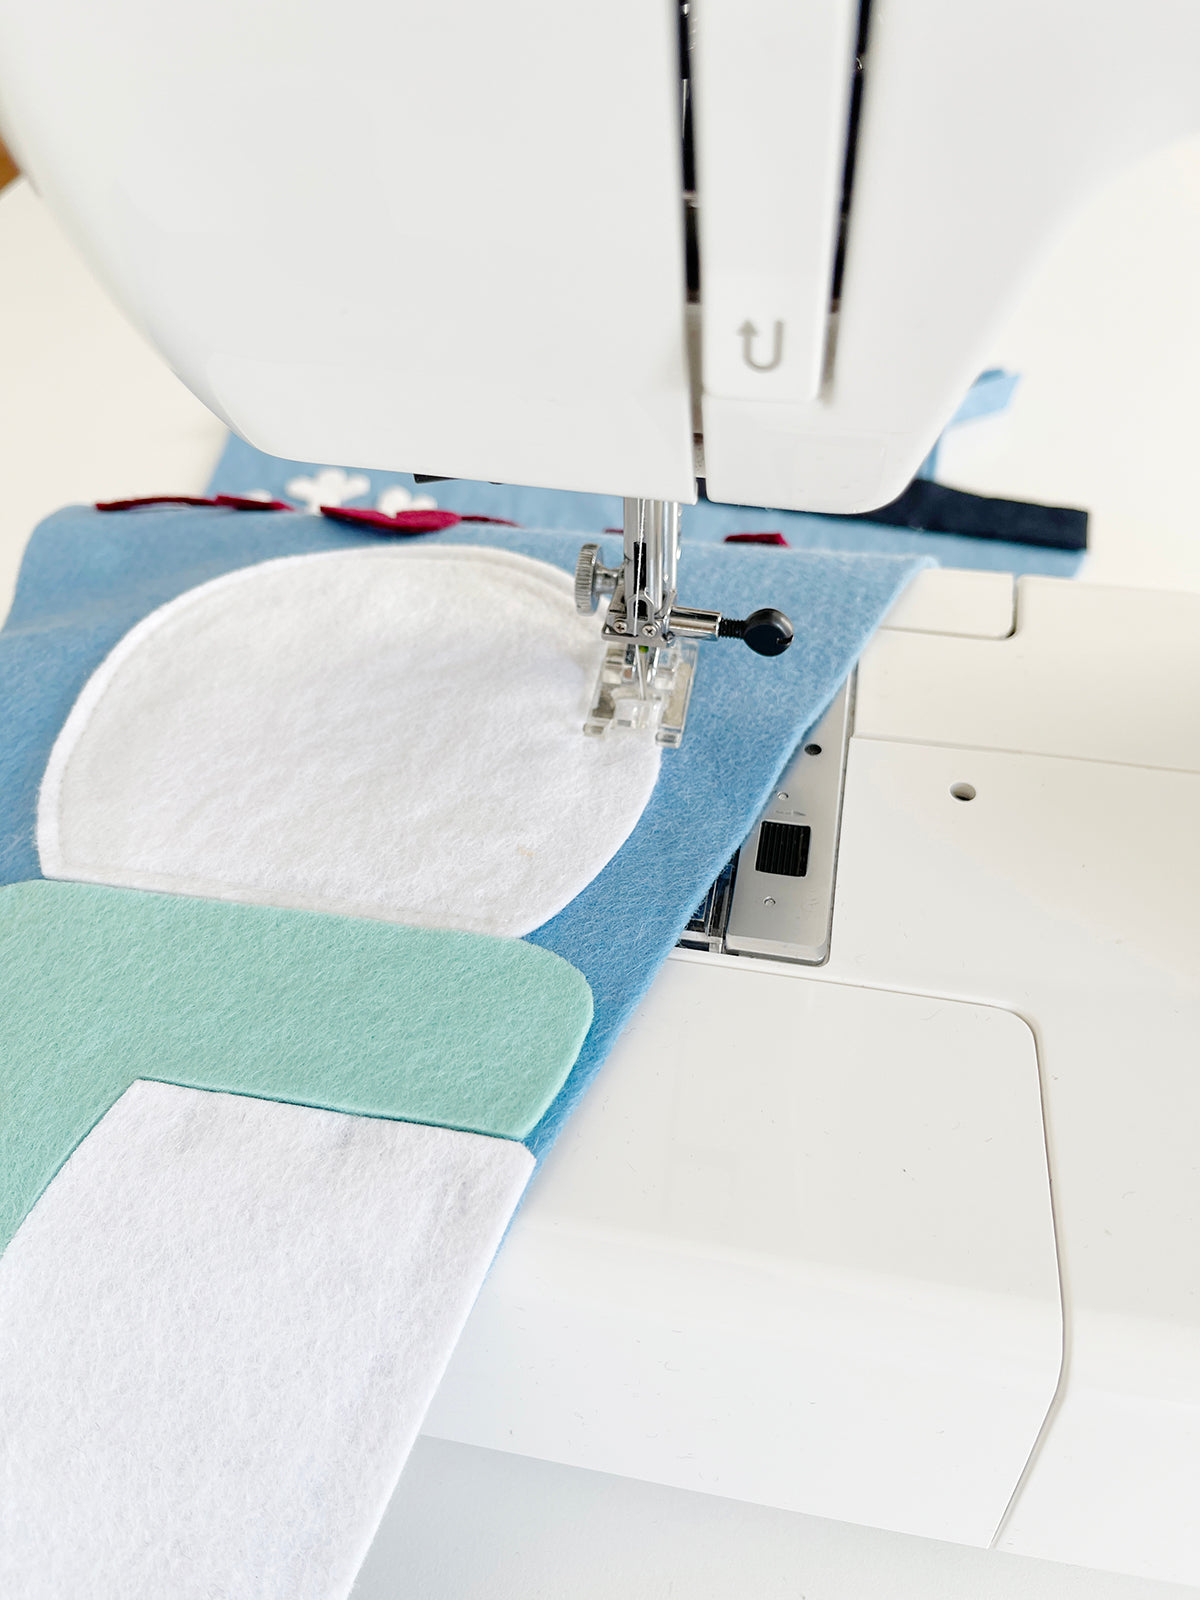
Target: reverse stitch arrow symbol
x=748, y=334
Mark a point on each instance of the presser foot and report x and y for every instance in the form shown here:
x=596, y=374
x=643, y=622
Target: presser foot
x=644, y=689
x=650, y=652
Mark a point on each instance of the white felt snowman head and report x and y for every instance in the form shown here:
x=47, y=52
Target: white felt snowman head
x=391, y=733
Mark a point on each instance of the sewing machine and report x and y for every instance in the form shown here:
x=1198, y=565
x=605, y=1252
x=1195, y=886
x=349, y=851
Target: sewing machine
x=934, y=1269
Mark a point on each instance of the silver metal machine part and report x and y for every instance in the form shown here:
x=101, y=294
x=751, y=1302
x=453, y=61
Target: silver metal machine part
x=650, y=571
x=775, y=898
x=645, y=679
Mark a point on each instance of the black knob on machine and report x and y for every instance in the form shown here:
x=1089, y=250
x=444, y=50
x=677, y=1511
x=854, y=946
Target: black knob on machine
x=768, y=632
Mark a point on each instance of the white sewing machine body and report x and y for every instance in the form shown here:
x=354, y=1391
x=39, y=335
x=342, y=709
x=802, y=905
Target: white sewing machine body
x=799, y=1246
x=453, y=238
x=907, y=1238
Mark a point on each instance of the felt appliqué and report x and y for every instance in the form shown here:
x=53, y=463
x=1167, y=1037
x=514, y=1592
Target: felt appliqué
x=99, y=987
x=88, y=577
x=390, y=733
x=219, y=1331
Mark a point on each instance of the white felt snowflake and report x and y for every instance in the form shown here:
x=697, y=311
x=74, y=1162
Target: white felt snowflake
x=330, y=487
x=398, y=498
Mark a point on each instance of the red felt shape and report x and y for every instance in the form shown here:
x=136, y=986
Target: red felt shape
x=154, y=500
x=231, y=502
x=404, y=522
x=757, y=538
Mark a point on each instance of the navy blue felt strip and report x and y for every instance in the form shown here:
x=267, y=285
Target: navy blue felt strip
x=936, y=508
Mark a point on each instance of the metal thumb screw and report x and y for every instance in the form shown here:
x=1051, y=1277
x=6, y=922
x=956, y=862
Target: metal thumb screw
x=768, y=632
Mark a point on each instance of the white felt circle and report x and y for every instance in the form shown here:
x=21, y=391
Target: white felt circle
x=383, y=733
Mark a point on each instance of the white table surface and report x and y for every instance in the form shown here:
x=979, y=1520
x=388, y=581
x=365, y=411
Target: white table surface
x=1107, y=338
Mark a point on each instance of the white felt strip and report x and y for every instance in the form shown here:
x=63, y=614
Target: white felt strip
x=219, y=1330
x=389, y=733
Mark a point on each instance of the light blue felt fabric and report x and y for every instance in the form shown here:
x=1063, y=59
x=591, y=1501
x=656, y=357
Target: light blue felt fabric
x=242, y=470
x=990, y=394
x=89, y=576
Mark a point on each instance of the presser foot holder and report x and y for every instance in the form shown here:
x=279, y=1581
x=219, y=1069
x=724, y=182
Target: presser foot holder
x=639, y=689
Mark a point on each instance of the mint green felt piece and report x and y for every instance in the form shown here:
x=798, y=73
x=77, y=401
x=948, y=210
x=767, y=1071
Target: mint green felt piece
x=101, y=986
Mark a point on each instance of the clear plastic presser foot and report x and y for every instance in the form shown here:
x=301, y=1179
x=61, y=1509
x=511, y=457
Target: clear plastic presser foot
x=638, y=688
x=645, y=678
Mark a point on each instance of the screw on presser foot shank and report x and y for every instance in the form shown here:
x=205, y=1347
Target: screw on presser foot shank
x=592, y=578
x=767, y=631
